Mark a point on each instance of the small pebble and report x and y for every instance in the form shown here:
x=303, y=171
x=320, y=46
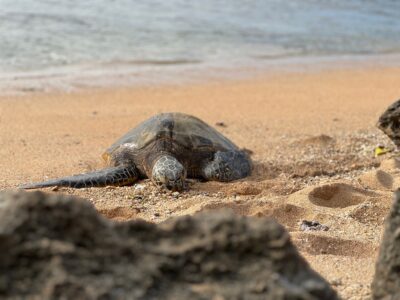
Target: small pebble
x=336, y=282
x=312, y=225
x=220, y=124
x=139, y=187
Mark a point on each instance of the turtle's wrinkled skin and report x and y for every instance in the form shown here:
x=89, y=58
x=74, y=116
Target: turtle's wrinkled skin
x=166, y=148
x=389, y=122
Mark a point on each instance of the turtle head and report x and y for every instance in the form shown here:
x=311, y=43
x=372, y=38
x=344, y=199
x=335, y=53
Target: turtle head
x=169, y=172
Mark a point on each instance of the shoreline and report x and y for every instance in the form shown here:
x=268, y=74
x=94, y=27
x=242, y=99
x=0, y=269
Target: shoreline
x=118, y=75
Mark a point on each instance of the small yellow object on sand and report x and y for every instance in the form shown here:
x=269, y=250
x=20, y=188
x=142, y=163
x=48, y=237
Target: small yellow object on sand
x=380, y=150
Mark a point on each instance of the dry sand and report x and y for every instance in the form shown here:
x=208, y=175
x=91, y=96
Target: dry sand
x=312, y=136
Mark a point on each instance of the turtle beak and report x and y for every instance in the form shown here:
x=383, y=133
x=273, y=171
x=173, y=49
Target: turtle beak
x=177, y=185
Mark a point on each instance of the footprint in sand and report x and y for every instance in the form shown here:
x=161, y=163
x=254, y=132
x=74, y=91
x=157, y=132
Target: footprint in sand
x=372, y=212
x=315, y=244
x=286, y=214
x=390, y=165
x=377, y=180
x=338, y=195
x=369, y=213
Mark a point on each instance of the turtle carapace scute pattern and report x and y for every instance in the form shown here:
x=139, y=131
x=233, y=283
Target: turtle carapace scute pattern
x=389, y=122
x=167, y=148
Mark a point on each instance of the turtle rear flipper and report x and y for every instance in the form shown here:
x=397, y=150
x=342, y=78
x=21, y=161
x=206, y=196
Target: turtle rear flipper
x=117, y=176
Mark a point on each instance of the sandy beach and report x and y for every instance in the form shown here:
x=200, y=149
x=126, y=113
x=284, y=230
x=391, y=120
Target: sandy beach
x=311, y=135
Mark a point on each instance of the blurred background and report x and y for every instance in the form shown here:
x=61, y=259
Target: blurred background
x=63, y=37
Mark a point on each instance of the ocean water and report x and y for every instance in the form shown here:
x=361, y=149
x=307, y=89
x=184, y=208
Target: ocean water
x=66, y=38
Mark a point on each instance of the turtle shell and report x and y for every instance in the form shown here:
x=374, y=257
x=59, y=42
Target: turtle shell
x=188, y=131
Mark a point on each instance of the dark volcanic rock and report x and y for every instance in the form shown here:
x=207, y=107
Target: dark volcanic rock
x=389, y=122
x=312, y=226
x=56, y=247
x=386, y=284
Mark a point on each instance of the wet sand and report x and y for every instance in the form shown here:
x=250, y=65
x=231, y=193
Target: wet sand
x=312, y=137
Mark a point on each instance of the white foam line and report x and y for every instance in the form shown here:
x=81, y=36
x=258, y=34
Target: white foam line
x=72, y=78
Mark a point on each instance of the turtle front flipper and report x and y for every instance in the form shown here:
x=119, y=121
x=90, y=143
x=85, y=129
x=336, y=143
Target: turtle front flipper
x=227, y=166
x=117, y=176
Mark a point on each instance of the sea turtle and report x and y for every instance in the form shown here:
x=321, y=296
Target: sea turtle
x=389, y=122
x=166, y=148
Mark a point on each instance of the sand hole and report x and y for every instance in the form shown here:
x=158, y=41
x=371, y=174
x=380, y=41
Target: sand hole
x=288, y=215
x=337, y=195
x=391, y=164
x=370, y=213
x=319, y=244
x=376, y=179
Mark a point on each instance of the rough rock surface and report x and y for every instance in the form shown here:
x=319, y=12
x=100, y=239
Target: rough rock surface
x=389, y=122
x=57, y=247
x=386, y=284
